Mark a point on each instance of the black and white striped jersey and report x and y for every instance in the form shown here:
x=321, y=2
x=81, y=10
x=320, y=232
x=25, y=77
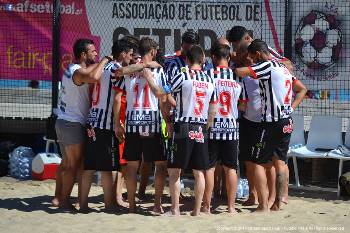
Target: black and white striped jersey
x=101, y=110
x=229, y=92
x=193, y=91
x=142, y=111
x=276, y=87
x=176, y=63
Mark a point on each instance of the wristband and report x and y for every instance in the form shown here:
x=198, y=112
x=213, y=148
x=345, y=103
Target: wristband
x=108, y=58
x=167, y=89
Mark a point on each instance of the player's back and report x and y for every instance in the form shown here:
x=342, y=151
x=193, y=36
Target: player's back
x=193, y=91
x=142, y=113
x=276, y=84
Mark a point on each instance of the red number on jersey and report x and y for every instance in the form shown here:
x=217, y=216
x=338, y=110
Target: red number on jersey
x=146, y=103
x=199, y=105
x=288, y=86
x=225, y=103
x=96, y=94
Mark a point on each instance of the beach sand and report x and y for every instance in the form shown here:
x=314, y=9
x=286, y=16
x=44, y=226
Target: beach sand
x=25, y=206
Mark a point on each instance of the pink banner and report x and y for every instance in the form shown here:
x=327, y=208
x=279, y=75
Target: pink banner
x=26, y=37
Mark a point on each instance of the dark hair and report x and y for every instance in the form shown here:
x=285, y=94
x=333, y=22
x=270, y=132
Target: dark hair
x=120, y=46
x=220, y=51
x=237, y=33
x=80, y=46
x=195, y=54
x=160, y=57
x=190, y=37
x=258, y=46
x=133, y=41
x=146, y=44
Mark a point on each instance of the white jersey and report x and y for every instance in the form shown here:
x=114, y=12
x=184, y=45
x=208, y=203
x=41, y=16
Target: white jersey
x=142, y=112
x=101, y=111
x=74, y=101
x=229, y=93
x=252, y=97
x=276, y=86
x=193, y=90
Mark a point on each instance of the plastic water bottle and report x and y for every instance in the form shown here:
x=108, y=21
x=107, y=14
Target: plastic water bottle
x=239, y=193
x=245, y=188
x=182, y=184
x=21, y=162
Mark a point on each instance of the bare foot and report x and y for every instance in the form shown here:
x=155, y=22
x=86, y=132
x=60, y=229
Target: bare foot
x=232, y=210
x=285, y=200
x=122, y=203
x=276, y=206
x=172, y=213
x=85, y=210
x=271, y=204
x=205, y=210
x=261, y=209
x=132, y=209
x=250, y=202
x=195, y=213
x=55, y=202
x=158, y=209
x=66, y=206
x=77, y=205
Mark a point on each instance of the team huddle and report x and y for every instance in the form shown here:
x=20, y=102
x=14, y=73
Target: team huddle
x=181, y=112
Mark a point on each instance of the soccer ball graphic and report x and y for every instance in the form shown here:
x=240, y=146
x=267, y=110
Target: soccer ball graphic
x=318, y=40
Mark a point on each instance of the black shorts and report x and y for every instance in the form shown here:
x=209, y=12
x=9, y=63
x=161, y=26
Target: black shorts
x=150, y=148
x=102, y=150
x=189, y=147
x=277, y=140
x=225, y=151
x=251, y=140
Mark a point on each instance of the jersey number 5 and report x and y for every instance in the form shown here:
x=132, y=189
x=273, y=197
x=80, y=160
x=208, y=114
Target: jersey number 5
x=199, y=103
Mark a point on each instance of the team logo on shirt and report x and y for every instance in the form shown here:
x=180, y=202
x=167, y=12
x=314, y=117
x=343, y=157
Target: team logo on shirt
x=184, y=69
x=197, y=135
x=288, y=128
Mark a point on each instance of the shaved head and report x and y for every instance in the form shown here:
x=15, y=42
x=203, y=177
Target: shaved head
x=223, y=41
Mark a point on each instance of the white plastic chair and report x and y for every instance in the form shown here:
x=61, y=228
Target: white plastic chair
x=297, y=139
x=324, y=134
x=338, y=154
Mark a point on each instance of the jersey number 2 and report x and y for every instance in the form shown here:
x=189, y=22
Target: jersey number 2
x=288, y=86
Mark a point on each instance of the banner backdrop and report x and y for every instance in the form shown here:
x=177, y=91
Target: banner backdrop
x=26, y=37
x=319, y=28
x=28, y=46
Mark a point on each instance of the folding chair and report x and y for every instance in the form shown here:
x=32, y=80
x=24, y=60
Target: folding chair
x=324, y=136
x=341, y=155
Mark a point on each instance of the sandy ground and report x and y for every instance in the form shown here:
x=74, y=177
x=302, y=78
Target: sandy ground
x=25, y=207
